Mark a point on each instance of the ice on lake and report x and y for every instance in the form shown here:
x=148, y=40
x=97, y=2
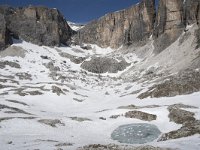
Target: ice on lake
x=136, y=133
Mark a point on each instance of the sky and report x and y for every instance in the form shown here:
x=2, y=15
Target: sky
x=78, y=11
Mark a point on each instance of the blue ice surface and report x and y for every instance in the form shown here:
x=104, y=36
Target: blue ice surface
x=136, y=133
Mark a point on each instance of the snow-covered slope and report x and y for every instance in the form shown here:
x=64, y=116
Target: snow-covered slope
x=75, y=26
x=47, y=101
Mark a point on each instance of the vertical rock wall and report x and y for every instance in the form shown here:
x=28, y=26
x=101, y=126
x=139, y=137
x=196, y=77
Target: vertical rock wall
x=123, y=27
x=39, y=25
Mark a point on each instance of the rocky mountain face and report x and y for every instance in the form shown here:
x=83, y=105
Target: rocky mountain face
x=172, y=18
x=138, y=22
x=39, y=25
x=123, y=27
x=4, y=35
x=44, y=26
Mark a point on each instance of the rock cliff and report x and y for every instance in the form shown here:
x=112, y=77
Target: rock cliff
x=123, y=27
x=169, y=23
x=138, y=22
x=4, y=35
x=172, y=19
x=39, y=25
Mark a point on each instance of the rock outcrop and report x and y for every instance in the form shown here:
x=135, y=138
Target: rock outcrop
x=190, y=125
x=184, y=83
x=104, y=64
x=39, y=25
x=4, y=35
x=123, y=27
x=140, y=115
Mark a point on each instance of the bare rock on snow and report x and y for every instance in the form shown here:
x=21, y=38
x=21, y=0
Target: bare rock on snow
x=140, y=115
x=103, y=64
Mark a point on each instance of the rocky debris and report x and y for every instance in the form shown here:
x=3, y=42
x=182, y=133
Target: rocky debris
x=102, y=118
x=9, y=142
x=57, y=90
x=74, y=59
x=8, y=118
x=44, y=57
x=107, y=93
x=103, y=65
x=3, y=64
x=63, y=144
x=180, y=105
x=39, y=25
x=34, y=93
x=24, y=76
x=180, y=116
x=5, y=118
x=52, y=67
x=86, y=47
x=138, y=107
x=185, y=82
x=128, y=107
x=9, y=80
x=115, y=116
x=122, y=27
x=121, y=147
x=188, y=129
x=80, y=119
x=22, y=91
x=140, y=115
x=132, y=93
x=51, y=122
x=50, y=141
x=190, y=126
x=4, y=86
x=13, y=109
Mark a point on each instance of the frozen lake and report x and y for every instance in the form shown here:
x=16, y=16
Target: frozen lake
x=136, y=133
